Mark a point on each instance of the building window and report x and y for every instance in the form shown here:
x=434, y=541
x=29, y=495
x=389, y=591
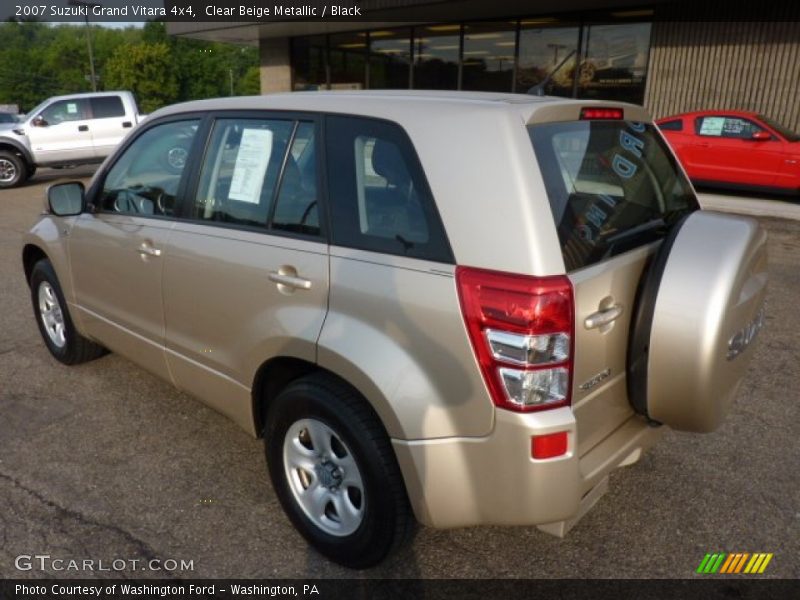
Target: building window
x=601, y=60
x=614, y=65
x=308, y=56
x=390, y=59
x=348, y=61
x=488, y=58
x=436, y=56
x=547, y=52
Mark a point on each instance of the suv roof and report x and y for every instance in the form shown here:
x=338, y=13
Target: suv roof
x=389, y=102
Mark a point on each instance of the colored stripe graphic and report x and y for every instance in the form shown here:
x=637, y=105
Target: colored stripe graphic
x=711, y=563
x=741, y=562
x=734, y=562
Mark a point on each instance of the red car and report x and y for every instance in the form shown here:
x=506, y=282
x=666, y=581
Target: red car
x=736, y=150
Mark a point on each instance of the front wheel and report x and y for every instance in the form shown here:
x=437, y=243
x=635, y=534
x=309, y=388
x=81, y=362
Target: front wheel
x=335, y=473
x=12, y=170
x=55, y=324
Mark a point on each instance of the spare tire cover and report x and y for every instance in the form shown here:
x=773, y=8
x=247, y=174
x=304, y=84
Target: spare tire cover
x=700, y=306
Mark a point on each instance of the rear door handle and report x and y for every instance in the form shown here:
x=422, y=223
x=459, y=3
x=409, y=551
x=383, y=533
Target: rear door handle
x=292, y=281
x=146, y=250
x=83, y=128
x=127, y=124
x=603, y=317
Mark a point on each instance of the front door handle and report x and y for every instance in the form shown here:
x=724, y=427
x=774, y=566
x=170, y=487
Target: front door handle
x=83, y=128
x=127, y=124
x=603, y=317
x=292, y=281
x=146, y=250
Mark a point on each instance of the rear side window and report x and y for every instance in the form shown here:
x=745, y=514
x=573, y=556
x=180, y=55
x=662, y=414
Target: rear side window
x=296, y=208
x=380, y=200
x=674, y=125
x=105, y=107
x=241, y=170
x=612, y=186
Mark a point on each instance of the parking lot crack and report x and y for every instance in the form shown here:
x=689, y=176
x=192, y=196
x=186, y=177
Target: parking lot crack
x=142, y=547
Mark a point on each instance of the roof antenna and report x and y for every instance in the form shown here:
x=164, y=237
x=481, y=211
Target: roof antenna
x=538, y=89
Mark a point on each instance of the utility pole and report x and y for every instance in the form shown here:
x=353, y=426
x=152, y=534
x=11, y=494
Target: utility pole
x=88, y=6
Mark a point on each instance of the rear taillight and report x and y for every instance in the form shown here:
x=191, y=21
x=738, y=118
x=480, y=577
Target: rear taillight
x=521, y=329
x=602, y=114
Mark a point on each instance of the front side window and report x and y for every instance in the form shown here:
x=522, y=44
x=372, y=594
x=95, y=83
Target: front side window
x=612, y=186
x=64, y=110
x=727, y=127
x=144, y=180
x=380, y=200
x=241, y=171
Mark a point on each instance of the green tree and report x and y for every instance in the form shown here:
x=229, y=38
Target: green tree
x=148, y=70
x=38, y=61
x=250, y=83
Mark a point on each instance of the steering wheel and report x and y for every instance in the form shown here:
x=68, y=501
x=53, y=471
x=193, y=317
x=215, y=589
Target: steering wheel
x=129, y=205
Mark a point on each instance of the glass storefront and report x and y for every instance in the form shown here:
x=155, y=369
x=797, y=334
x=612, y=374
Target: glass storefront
x=347, y=59
x=567, y=58
x=547, y=56
x=436, y=52
x=390, y=59
x=488, y=57
x=614, y=63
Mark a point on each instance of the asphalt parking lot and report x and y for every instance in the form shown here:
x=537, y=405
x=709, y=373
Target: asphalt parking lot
x=103, y=462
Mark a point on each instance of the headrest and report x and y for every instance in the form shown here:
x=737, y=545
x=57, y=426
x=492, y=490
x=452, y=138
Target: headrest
x=388, y=162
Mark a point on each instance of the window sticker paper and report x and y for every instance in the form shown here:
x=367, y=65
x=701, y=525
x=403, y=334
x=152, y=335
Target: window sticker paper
x=251, y=165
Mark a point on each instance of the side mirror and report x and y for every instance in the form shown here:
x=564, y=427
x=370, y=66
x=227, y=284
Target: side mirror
x=38, y=121
x=761, y=136
x=66, y=199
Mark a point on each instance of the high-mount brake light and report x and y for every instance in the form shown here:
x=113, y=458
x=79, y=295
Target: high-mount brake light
x=521, y=329
x=602, y=114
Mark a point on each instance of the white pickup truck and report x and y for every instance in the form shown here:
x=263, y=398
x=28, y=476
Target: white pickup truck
x=65, y=130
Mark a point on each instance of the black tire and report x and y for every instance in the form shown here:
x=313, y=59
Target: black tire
x=31, y=170
x=642, y=322
x=13, y=170
x=74, y=348
x=386, y=520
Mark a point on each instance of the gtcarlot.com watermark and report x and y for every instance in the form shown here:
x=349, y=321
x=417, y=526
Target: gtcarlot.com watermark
x=46, y=562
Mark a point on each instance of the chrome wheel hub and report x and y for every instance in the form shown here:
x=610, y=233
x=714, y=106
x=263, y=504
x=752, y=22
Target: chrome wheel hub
x=323, y=477
x=7, y=170
x=51, y=315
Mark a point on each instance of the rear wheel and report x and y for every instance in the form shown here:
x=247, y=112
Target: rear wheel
x=334, y=472
x=55, y=324
x=12, y=169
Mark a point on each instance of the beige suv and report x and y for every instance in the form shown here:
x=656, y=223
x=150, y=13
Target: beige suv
x=457, y=308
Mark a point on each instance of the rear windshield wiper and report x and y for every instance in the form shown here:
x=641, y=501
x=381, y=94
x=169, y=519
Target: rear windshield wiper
x=636, y=231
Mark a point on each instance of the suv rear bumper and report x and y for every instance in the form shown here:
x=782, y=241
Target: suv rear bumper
x=492, y=480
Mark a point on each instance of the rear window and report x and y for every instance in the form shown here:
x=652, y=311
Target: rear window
x=612, y=186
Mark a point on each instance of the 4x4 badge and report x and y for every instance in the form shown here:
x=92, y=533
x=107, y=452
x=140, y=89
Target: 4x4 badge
x=601, y=376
